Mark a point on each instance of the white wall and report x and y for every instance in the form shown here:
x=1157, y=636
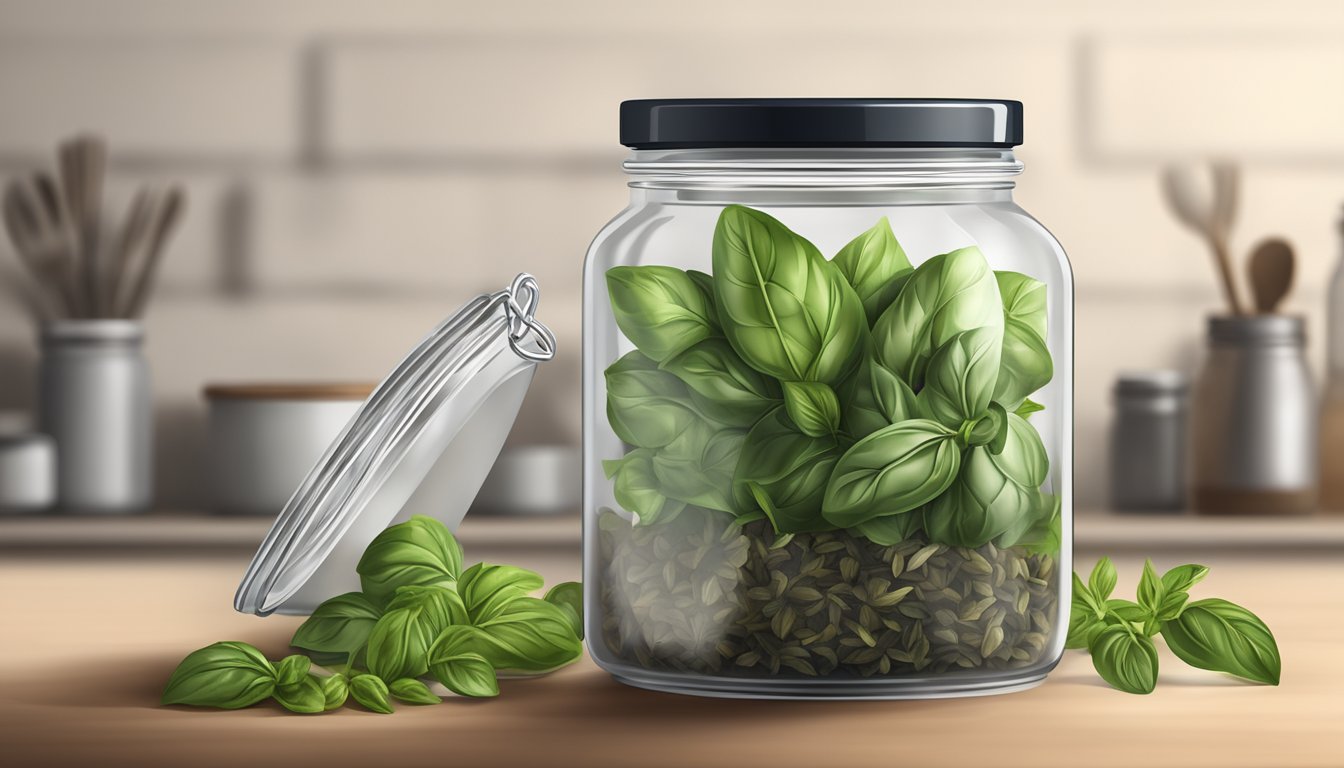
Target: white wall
x=357, y=169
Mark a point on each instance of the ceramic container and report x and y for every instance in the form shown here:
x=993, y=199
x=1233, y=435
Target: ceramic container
x=264, y=439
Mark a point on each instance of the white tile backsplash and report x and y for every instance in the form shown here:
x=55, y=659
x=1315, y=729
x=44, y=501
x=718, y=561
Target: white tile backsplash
x=356, y=170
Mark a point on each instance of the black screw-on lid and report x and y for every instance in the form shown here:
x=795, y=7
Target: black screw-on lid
x=706, y=123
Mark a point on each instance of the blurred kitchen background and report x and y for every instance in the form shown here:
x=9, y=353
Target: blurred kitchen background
x=356, y=170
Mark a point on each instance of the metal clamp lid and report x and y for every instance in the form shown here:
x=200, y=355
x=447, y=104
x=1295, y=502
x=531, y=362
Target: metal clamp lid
x=422, y=443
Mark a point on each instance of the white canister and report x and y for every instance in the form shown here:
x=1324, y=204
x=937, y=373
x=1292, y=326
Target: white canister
x=264, y=438
x=27, y=472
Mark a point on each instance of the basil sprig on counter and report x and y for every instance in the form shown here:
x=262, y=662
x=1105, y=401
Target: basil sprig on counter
x=420, y=615
x=856, y=393
x=1210, y=634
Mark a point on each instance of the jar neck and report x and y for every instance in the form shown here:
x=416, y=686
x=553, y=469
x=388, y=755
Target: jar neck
x=863, y=168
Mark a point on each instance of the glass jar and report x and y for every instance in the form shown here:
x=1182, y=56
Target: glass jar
x=828, y=405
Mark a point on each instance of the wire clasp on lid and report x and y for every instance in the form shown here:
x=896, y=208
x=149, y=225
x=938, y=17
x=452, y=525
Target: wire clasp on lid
x=520, y=301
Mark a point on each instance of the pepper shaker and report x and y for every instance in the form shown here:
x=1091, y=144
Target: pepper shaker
x=1148, y=441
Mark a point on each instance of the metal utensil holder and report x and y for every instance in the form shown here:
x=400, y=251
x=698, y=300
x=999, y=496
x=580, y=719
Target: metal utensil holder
x=1254, y=423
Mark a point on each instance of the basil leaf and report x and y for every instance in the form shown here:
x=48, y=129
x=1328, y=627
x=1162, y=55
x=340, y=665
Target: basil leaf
x=399, y=643
x=662, y=310
x=1151, y=590
x=637, y=489
x=813, y=407
x=894, y=470
x=305, y=696
x=697, y=468
x=1125, y=659
x=412, y=691
x=1183, y=577
x=990, y=429
x=529, y=635
x=1224, y=637
x=786, y=310
x=1103, y=579
x=466, y=674
x=722, y=386
x=419, y=551
x=961, y=375
x=783, y=473
x=1038, y=529
x=1028, y=407
x=227, y=675
x=291, y=670
x=880, y=399
x=891, y=530
x=1027, y=365
x=371, y=693
x=647, y=407
x=1126, y=611
x=340, y=625
x=873, y=263
x=335, y=690
x=1084, y=614
x=992, y=492
x=487, y=588
x=945, y=296
x=568, y=596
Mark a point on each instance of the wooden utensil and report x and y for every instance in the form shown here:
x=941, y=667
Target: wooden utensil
x=83, y=162
x=1206, y=202
x=1271, y=273
x=42, y=248
x=131, y=245
x=164, y=221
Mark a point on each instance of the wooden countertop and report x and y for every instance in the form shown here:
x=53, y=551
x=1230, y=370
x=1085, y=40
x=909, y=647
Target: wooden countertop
x=91, y=636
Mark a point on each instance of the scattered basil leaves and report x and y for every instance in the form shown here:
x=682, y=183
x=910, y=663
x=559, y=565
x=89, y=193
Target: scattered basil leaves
x=412, y=691
x=370, y=692
x=419, y=551
x=1211, y=634
x=227, y=675
x=339, y=626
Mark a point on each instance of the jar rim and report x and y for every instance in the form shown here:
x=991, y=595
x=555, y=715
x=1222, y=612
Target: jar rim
x=825, y=166
x=94, y=330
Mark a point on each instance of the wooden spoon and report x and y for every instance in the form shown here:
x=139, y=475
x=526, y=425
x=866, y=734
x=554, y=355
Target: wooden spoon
x=1206, y=201
x=41, y=248
x=1271, y=273
x=164, y=221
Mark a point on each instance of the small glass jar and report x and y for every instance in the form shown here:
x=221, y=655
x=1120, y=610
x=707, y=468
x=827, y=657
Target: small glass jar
x=828, y=405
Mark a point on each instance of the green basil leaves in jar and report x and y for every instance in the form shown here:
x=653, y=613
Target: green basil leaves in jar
x=828, y=405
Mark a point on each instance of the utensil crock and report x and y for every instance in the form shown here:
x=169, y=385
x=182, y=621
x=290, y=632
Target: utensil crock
x=1254, y=419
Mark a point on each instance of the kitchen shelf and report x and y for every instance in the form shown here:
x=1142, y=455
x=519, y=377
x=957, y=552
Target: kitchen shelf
x=1092, y=531
x=184, y=530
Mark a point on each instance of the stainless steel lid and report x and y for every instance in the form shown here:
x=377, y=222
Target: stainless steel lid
x=1258, y=330
x=422, y=443
x=1150, y=383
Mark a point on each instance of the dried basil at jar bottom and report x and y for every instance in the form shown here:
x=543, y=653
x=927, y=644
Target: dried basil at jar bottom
x=702, y=594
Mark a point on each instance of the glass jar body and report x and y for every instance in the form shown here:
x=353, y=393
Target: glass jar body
x=817, y=476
